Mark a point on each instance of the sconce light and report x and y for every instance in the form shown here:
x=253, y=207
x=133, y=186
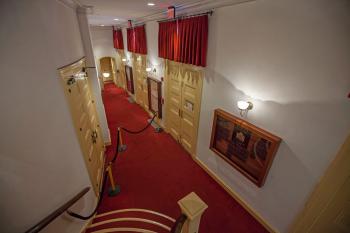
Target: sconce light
x=106, y=75
x=124, y=59
x=244, y=107
x=148, y=69
x=139, y=58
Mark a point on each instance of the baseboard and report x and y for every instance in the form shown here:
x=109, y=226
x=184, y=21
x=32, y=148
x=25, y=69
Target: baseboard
x=236, y=196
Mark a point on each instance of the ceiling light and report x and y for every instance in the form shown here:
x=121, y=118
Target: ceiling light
x=102, y=25
x=116, y=19
x=151, y=4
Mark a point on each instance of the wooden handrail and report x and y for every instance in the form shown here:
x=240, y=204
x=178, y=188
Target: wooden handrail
x=44, y=222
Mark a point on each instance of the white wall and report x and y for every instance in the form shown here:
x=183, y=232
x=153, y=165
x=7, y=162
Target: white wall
x=82, y=14
x=292, y=60
x=102, y=43
x=41, y=165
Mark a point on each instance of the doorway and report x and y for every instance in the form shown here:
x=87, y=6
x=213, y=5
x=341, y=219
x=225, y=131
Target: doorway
x=107, y=70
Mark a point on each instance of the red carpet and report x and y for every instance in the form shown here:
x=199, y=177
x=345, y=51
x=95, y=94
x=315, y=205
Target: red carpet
x=155, y=172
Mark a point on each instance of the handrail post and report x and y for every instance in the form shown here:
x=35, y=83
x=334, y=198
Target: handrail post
x=193, y=207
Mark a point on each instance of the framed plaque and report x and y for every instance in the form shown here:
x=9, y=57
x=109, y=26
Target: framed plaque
x=246, y=147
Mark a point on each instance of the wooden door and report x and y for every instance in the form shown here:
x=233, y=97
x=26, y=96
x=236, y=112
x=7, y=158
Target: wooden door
x=141, y=92
x=120, y=70
x=173, y=113
x=114, y=73
x=138, y=80
x=82, y=105
x=328, y=209
x=190, y=105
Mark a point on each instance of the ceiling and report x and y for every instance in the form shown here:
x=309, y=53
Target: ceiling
x=105, y=11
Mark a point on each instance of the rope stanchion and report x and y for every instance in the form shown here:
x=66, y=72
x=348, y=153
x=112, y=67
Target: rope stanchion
x=114, y=189
x=141, y=130
x=122, y=147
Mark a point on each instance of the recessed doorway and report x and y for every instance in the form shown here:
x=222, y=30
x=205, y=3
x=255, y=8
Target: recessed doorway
x=107, y=69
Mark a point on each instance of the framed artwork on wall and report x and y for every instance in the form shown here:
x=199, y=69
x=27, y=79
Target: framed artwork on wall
x=129, y=79
x=155, y=96
x=244, y=146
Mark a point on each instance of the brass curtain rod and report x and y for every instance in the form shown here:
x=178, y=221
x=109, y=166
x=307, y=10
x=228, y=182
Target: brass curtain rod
x=187, y=16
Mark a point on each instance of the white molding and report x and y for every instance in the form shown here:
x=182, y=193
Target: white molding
x=187, y=9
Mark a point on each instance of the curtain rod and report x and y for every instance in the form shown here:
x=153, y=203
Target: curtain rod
x=187, y=16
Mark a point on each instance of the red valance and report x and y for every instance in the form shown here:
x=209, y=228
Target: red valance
x=184, y=40
x=136, y=39
x=118, y=39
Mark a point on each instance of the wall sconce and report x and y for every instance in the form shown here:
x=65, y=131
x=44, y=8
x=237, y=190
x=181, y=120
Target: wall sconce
x=124, y=59
x=244, y=107
x=148, y=69
x=106, y=75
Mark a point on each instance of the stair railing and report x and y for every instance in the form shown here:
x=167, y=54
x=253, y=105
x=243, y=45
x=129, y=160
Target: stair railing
x=48, y=219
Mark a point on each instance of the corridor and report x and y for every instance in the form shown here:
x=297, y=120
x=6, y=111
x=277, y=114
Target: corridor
x=155, y=172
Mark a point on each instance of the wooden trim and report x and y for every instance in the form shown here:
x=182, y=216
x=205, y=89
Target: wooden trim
x=333, y=179
x=236, y=196
x=159, y=89
x=135, y=210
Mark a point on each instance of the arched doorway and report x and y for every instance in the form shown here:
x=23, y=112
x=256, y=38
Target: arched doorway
x=107, y=69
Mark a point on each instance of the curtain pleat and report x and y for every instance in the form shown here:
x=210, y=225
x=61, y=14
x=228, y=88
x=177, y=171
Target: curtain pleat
x=136, y=40
x=184, y=40
x=118, y=39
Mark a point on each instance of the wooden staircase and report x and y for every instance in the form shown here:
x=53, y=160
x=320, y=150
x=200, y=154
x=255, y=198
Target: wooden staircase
x=131, y=220
x=149, y=221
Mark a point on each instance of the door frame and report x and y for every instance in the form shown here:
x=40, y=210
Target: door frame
x=68, y=71
x=334, y=177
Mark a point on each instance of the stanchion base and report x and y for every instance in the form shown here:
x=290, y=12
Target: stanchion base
x=115, y=192
x=121, y=148
x=158, y=130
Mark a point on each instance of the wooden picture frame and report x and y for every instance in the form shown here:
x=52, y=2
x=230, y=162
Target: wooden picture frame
x=243, y=145
x=155, y=96
x=129, y=78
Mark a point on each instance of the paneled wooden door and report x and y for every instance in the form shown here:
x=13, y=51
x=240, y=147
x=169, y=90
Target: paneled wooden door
x=141, y=92
x=120, y=69
x=184, y=90
x=82, y=106
x=173, y=101
x=191, y=92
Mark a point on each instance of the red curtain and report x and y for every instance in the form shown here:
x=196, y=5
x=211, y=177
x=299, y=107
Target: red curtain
x=184, y=40
x=136, y=39
x=118, y=39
